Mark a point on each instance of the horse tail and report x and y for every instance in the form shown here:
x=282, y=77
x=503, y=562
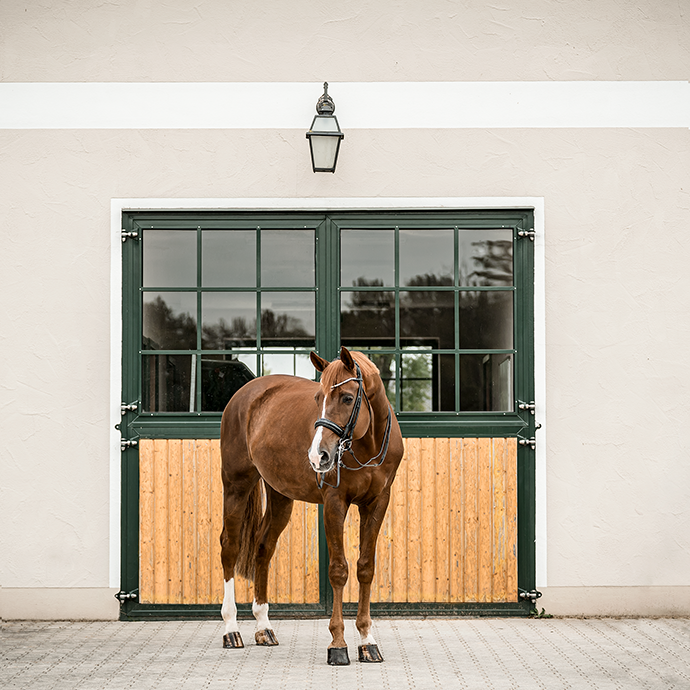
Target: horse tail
x=253, y=513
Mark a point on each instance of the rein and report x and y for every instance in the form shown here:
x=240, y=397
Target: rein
x=345, y=433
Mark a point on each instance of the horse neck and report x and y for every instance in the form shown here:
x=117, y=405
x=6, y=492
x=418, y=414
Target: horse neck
x=379, y=413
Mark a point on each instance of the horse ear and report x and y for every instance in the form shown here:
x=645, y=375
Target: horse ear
x=347, y=359
x=319, y=363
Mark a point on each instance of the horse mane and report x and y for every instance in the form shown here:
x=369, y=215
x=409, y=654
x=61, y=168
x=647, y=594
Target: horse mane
x=336, y=370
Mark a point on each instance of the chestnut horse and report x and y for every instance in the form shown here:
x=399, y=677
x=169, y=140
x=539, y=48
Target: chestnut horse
x=336, y=442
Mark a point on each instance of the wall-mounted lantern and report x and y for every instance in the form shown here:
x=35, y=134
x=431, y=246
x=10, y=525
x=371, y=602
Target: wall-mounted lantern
x=324, y=135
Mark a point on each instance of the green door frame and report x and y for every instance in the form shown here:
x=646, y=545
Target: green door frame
x=519, y=423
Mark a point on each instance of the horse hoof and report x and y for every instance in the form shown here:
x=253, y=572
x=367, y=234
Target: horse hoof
x=370, y=654
x=337, y=656
x=266, y=638
x=232, y=640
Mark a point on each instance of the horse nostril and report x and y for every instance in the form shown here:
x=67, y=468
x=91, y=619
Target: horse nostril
x=325, y=458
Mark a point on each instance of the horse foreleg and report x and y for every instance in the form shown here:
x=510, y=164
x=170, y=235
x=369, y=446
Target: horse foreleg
x=334, y=514
x=276, y=519
x=371, y=518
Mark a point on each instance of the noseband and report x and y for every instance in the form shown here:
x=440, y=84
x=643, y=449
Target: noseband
x=345, y=433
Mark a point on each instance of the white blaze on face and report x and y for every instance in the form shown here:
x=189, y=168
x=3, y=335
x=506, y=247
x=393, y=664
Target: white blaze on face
x=229, y=608
x=314, y=453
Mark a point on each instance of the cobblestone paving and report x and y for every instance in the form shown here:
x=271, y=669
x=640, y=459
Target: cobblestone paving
x=431, y=653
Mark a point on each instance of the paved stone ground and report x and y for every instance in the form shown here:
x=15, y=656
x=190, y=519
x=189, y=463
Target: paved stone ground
x=431, y=653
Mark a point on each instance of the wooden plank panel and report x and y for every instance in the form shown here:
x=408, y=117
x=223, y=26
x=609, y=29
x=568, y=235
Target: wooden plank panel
x=311, y=589
x=485, y=533
x=470, y=500
x=414, y=521
x=511, y=520
x=456, y=522
x=382, y=586
x=449, y=535
x=216, y=523
x=498, y=584
x=160, y=522
x=146, y=511
x=428, y=521
x=442, y=521
x=398, y=509
x=175, y=521
x=203, y=524
x=189, y=529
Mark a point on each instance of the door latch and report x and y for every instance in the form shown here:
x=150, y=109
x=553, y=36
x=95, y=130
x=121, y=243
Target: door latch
x=531, y=442
x=132, y=407
x=124, y=445
x=527, y=233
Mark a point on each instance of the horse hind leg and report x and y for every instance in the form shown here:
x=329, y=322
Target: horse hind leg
x=239, y=506
x=275, y=520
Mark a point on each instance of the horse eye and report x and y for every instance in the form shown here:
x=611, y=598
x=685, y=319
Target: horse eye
x=347, y=399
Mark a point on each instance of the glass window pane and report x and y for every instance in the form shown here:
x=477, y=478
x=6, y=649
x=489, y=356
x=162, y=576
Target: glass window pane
x=291, y=363
x=486, y=320
x=427, y=381
x=368, y=318
x=228, y=320
x=427, y=319
x=426, y=257
x=287, y=258
x=486, y=257
x=169, y=321
x=228, y=258
x=167, y=384
x=486, y=383
x=169, y=258
x=288, y=318
x=222, y=376
x=367, y=257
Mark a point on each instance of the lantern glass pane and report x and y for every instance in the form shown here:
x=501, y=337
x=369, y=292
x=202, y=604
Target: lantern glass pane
x=324, y=150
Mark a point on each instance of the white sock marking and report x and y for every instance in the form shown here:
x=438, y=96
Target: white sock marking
x=229, y=609
x=261, y=615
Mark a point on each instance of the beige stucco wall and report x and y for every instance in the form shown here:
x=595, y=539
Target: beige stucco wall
x=617, y=209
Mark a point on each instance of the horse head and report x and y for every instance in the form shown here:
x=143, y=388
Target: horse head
x=345, y=410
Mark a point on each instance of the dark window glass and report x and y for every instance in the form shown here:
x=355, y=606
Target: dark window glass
x=169, y=321
x=229, y=320
x=167, y=383
x=222, y=376
x=287, y=258
x=169, y=258
x=427, y=319
x=367, y=258
x=288, y=318
x=426, y=257
x=228, y=258
x=486, y=257
x=486, y=383
x=368, y=316
x=486, y=320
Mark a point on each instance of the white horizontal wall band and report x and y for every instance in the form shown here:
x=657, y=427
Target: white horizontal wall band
x=359, y=105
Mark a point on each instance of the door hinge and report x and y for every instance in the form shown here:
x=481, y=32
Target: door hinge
x=126, y=234
x=132, y=407
x=124, y=445
x=530, y=596
x=527, y=406
x=527, y=233
x=122, y=597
